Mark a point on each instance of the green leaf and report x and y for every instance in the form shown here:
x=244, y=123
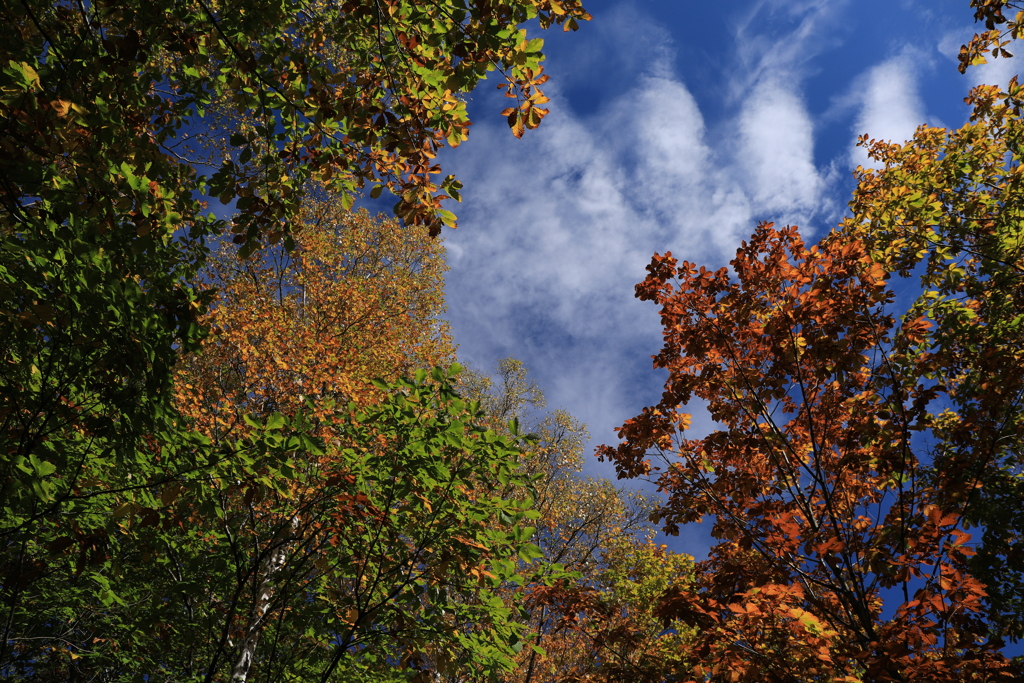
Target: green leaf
x=42, y=467
x=447, y=217
x=25, y=73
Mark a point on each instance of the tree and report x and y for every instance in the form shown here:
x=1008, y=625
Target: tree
x=993, y=40
x=299, y=332
x=607, y=625
x=350, y=93
x=310, y=562
x=600, y=621
x=344, y=560
x=120, y=120
x=841, y=554
x=357, y=299
x=352, y=528
x=947, y=209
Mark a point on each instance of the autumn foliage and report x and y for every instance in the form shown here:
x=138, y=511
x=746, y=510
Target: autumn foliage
x=598, y=622
x=357, y=300
x=153, y=528
x=947, y=209
x=235, y=465
x=353, y=523
x=841, y=553
x=1003, y=21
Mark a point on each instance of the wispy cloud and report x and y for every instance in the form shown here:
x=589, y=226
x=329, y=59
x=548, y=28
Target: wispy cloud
x=558, y=227
x=782, y=40
x=889, y=104
x=776, y=152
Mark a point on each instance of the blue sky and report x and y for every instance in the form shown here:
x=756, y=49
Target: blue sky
x=675, y=126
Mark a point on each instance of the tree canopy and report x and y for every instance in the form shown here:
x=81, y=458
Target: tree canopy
x=122, y=121
x=599, y=622
x=859, y=446
x=235, y=444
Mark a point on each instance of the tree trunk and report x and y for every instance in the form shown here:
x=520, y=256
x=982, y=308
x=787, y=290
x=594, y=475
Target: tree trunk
x=273, y=566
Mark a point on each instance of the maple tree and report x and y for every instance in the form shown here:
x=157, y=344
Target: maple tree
x=840, y=555
x=864, y=475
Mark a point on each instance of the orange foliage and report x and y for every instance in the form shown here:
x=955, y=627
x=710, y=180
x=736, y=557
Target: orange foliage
x=357, y=300
x=1004, y=23
x=839, y=558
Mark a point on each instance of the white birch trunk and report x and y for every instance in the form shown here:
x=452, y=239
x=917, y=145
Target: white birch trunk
x=272, y=567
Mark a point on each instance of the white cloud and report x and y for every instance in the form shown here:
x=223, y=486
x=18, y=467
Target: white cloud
x=776, y=152
x=890, y=108
x=557, y=228
x=782, y=38
x=555, y=232
x=678, y=180
x=998, y=71
x=621, y=43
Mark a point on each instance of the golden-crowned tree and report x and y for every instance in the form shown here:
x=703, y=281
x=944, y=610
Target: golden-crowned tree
x=388, y=520
x=353, y=524
x=601, y=622
x=357, y=300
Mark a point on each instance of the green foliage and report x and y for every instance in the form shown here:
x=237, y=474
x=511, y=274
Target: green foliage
x=636, y=580
x=380, y=552
x=122, y=539
x=135, y=96
x=83, y=584
x=948, y=208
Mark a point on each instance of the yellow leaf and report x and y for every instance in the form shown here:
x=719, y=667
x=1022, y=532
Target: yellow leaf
x=61, y=107
x=31, y=75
